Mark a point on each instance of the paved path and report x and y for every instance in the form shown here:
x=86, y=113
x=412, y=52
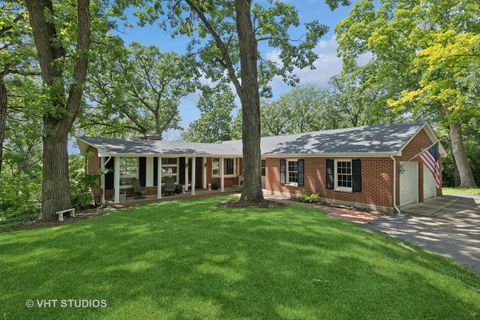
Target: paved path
x=454, y=232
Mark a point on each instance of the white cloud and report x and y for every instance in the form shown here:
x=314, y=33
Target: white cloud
x=326, y=66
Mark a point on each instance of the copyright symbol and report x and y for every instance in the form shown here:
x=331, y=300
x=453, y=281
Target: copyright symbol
x=29, y=303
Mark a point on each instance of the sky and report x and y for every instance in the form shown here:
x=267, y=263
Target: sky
x=327, y=65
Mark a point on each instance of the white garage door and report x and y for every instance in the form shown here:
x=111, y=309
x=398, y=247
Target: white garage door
x=408, y=183
x=429, y=188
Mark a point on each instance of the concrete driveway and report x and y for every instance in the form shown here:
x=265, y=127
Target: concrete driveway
x=452, y=230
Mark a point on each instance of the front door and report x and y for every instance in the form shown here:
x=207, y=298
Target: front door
x=198, y=172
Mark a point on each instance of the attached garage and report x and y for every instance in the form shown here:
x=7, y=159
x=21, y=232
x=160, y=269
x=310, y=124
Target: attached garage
x=408, y=182
x=429, y=187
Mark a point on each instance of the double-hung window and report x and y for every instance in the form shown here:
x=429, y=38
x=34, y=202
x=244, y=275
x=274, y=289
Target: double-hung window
x=169, y=168
x=229, y=167
x=292, y=172
x=343, y=175
x=128, y=171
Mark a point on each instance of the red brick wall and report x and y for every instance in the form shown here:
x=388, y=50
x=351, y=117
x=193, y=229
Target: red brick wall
x=93, y=161
x=377, y=182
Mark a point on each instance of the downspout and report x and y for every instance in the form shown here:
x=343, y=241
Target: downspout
x=395, y=185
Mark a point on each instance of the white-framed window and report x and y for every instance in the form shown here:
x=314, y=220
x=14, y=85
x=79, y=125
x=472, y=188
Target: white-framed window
x=229, y=167
x=169, y=168
x=343, y=175
x=292, y=172
x=128, y=171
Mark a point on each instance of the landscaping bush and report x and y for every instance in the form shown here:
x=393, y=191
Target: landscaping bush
x=310, y=197
x=19, y=197
x=81, y=183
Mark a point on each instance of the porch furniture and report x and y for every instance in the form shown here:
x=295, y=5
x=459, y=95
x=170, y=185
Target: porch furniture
x=138, y=189
x=71, y=211
x=170, y=186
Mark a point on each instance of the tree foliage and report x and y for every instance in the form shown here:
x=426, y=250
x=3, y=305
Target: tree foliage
x=425, y=60
x=217, y=105
x=136, y=90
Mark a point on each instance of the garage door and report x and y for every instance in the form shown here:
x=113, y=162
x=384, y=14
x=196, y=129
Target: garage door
x=429, y=188
x=408, y=182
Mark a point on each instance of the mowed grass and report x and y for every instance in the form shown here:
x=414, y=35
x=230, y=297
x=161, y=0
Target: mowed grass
x=454, y=191
x=192, y=260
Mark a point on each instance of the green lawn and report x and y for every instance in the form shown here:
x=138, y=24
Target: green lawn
x=191, y=260
x=454, y=191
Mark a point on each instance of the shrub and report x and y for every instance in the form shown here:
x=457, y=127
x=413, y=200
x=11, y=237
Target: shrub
x=19, y=197
x=81, y=183
x=310, y=197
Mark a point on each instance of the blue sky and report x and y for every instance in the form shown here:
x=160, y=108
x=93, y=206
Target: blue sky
x=327, y=65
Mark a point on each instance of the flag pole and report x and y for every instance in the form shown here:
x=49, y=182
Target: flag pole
x=423, y=150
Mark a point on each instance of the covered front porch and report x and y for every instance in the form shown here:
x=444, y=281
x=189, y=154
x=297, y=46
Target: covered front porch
x=179, y=176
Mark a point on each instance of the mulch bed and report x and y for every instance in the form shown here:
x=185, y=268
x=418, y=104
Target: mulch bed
x=241, y=204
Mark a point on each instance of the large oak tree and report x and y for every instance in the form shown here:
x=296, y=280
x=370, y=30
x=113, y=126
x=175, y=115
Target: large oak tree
x=225, y=38
x=63, y=90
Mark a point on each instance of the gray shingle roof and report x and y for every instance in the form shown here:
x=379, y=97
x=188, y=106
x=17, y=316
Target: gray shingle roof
x=386, y=138
x=389, y=138
x=118, y=146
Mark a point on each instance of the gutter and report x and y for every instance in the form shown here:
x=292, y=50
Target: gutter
x=395, y=185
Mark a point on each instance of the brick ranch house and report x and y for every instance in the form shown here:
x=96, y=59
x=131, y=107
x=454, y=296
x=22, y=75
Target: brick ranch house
x=374, y=167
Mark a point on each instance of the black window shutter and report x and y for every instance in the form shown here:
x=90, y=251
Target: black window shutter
x=155, y=171
x=142, y=171
x=330, y=174
x=181, y=169
x=301, y=169
x=283, y=171
x=356, y=175
x=109, y=175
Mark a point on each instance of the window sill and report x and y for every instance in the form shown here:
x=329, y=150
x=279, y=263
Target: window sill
x=226, y=176
x=291, y=184
x=348, y=190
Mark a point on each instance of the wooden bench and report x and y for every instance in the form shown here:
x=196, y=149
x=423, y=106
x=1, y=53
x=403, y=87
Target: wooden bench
x=60, y=213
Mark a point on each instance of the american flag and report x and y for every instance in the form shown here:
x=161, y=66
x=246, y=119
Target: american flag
x=430, y=158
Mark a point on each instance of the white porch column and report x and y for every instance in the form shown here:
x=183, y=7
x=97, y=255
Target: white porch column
x=193, y=176
x=102, y=178
x=204, y=172
x=116, y=179
x=222, y=178
x=186, y=173
x=159, y=178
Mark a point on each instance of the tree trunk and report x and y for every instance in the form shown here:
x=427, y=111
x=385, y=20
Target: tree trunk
x=456, y=182
x=55, y=187
x=3, y=117
x=250, y=100
x=460, y=156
